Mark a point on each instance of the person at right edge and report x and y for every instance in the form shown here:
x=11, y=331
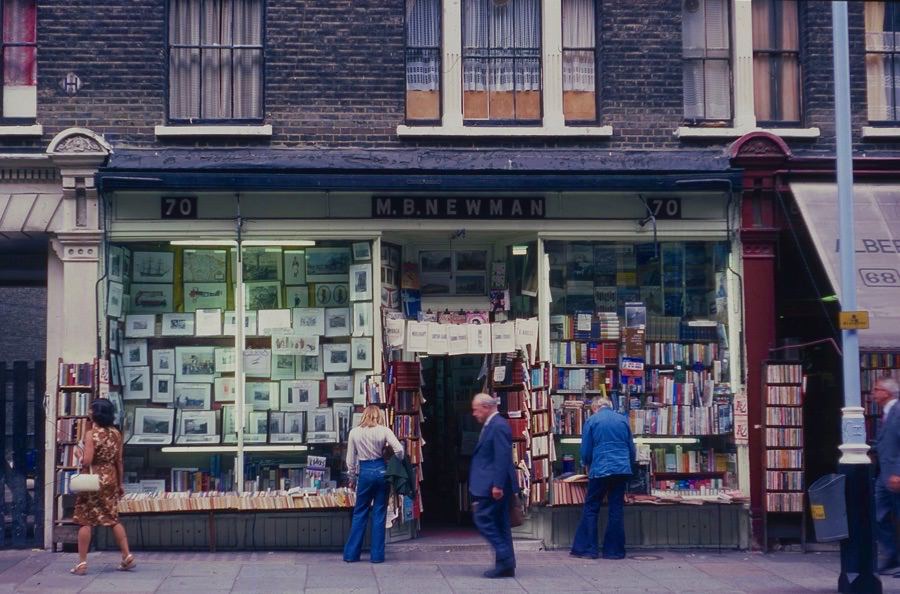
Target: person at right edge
x=492, y=482
x=887, y=485
x=607, y=448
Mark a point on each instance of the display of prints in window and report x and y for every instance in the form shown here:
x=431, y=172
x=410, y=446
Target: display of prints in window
x=224, y=389
x=362, y=319
x=262, y=263
x=361, y=282
x=361, y=353
x=296, y=296
x=208, y=322
x=152, y=267
x=262, y=295
x=152, y=426
x=195, y=364
x=362, y=251
x=336, y=357
x=310, y=368
x=330, y=294
x=177, y=324
x=339, y=386
x=115, y=264
x=294, y=267
x=115, y=294
x=327, y=264
x=204, y=296
x=272, y=320
x=337, y=322
x=287, y=427
x=300, y=395
x=163, y=390
x=256, y=429
x=261, y=395
x=136, y=383
x=229, y=426
x=343, y=416
x=193, y=396
x=197, y=426
x=134, y=353
x=283, y=367
x=151, y=298
x=115, y=337
x=320, y=426
x=204, y=266
x=435, y=268
x=257, y=362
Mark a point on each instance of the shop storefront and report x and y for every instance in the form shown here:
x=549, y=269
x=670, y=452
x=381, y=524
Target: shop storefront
x=248, y=315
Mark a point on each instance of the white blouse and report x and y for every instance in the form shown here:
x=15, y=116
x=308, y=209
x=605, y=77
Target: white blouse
x=367, y=443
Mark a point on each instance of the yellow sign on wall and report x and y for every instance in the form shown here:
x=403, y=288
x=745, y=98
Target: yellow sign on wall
x=854, y=320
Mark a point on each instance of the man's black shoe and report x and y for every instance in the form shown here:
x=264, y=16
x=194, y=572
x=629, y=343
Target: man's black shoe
x=888, y=567
x=500, y=573
x=583, y=555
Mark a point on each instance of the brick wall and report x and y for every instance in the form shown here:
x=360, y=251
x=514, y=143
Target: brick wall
x=335, y=74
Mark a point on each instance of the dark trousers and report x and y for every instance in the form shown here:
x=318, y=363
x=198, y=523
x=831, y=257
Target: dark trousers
x=491, y=517
x=887, y=505
x=373, y=489
x=586, y=537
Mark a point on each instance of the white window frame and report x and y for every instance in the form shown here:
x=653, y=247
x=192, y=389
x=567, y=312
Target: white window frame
x=744, y=116
x=553, y=120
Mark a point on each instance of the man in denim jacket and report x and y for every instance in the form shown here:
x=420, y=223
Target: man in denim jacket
x=608, y=450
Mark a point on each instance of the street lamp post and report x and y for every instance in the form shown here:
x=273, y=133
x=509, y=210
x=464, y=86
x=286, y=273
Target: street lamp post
x=857, y=551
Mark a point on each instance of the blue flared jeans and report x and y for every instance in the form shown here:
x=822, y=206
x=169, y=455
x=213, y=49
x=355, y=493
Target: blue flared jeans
x=586, y=537
x=372, y=489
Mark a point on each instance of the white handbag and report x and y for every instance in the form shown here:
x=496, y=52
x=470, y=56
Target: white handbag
x=84, y=483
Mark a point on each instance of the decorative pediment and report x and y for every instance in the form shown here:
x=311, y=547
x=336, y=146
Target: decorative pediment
x=79, y=146
x=760, y=146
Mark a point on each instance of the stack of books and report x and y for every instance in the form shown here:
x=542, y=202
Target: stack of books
x=76, y=374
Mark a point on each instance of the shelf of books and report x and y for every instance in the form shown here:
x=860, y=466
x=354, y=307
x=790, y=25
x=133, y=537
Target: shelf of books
x=404, y=411
x=237, y=371
x=785, y=385
x=874, y=366
x=75, y=390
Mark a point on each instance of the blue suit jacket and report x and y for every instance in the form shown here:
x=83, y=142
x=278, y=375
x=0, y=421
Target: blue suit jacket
x=888, y=445
x=492, y=463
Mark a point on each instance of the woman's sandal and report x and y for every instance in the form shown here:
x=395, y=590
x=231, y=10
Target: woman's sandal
x=127, y=563
x=79, y=569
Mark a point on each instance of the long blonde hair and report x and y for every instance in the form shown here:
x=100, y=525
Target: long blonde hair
x=371, y=416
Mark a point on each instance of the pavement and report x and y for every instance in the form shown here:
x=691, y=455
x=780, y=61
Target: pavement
x=425, y=570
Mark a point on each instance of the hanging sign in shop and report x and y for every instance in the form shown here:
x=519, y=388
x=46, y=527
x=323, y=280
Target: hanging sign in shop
x=431, y=207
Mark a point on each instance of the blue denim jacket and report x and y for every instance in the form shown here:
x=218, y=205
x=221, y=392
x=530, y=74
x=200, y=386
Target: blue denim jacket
x=606, y=444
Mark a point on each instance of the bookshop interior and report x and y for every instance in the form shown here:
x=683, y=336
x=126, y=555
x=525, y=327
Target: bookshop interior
x=238, y=366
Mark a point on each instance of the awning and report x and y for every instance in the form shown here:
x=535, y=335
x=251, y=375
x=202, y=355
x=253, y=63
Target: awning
x=877, y=251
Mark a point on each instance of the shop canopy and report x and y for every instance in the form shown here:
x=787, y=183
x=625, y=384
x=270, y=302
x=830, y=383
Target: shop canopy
x=877, y=251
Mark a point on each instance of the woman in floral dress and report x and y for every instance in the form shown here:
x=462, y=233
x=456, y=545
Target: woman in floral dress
x=102, y=456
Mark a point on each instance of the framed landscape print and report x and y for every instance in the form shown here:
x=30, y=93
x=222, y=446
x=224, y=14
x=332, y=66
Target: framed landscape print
x=284, y=367
x=296, y=296
x=204, y=266
x=327, y=264
x=134, y=353
x=136, y=383
x=262, y=295
x=339, y=386
x=195, y=364
x=193, y=396
x=177, y=324
x=151, y=299
x=299, y=394
x=262, y=263
x=309, y=321
x=261, y=395
x=337, y=322
x=362, y=251
x=197, y=426
x=336, y=357
x=153, y=426
x=310, y=368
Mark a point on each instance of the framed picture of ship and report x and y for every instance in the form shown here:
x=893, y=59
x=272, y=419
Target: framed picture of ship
x=152, y=267
x=151, y=299
x=204, y=296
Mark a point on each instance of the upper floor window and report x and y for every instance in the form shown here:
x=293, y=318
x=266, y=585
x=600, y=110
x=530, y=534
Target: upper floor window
x=579, y=46
x=19, y=59
x=215, y=60
x=776, y=61
x=502, y=60
x=883, y=60
x=706, y=52
x=423, y=60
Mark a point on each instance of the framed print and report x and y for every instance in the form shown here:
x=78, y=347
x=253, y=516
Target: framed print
x=286, y=343
x=225, y=359
x=343, y=416
x=134, y=353
x=339, y=386
x=151, y=299
x=362, y=250
x=471, y=284
x=310, y=368
x=394, y=256
x=299, y=394
x=115, y=399
x=178, y=324
x=436, y=262
x=114, y=296
x=359, y=388
x=362, y=319
x=136, y=383
x=357, y=419
x=361, y=351
x=296, y=296
x=116, y=377
x=153, y=425
x=152, y=267
x=193, y=396
x=327, y=264
x=229, y=427
x=471, y=260
x=257, y=362
x=195, y=364
x=208, y=322
x=113, y=343
x=309, y=321
x=361, y=282
x=204, y=266
x=268, y=320
x=163, y=389
x=337, y=322
x=249, y=323
x=284, y=367
x=163, y=361
x=436, y=284
x=204, y=296
x=229, y=323
x=320, y=419
x=336, y=357
x=262, y=263
x=261, y=395
x=265, y=295
x=224, y=389
x=197, y=426
x=291, y=427
x=330, y=294
x=256, y=430
x=294, y=267
x=115, y=270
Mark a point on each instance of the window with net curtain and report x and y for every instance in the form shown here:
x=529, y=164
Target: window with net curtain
x=19, y=59
x=776, y=61
x=706, y=52
x=215, y=60
x=501, y=42
x=883, y=61
x=579, y=45
x=423, y=60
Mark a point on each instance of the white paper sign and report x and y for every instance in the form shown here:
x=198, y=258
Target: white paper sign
x=208, y=322
x=457, y=339
x=437, y=339
x=526, y=335
x=479, y=338
x=269, y=320
x=395, y=331
x=583, y=323
x=499, y=374
x=503, y=337
x=417, y=337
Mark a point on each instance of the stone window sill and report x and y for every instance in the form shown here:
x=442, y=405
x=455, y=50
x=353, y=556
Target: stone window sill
x=879, y=132
x=188, y=131
x=504, y=131
x=713, y=133
x=32, y=130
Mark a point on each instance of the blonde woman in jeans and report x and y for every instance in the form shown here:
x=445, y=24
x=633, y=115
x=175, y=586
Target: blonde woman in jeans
x=368, y=470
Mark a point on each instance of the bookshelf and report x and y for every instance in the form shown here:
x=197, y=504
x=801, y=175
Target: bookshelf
x=874, y=366
x=75, y=391
x=784, y=464
x=403, y=408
